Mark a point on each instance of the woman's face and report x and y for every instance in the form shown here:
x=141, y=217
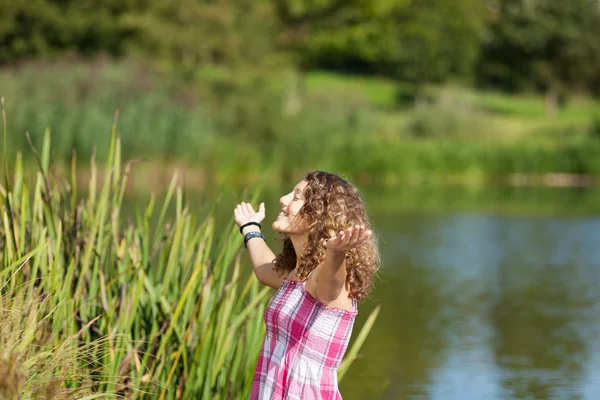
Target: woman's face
x=288, y=221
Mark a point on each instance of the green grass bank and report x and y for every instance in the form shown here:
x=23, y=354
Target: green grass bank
x=281, y=125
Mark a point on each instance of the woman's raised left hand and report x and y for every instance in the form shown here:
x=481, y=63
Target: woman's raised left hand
x=348, y=239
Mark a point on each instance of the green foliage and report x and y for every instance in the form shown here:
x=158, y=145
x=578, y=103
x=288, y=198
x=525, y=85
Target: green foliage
x=190, y=34
x=595, y=128
x=77, y=103
x=540, y=44
x=468, y=160
x=416, y=41
x=513, y=44
x=345, y=124
x=445, y=123
x=47, y=27
x=180, y=35
x=221, y=133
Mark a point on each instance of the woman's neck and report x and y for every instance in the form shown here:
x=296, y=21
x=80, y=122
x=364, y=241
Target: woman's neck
x=298, y=242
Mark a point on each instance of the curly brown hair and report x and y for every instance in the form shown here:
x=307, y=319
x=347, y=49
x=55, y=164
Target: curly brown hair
x=332, y=204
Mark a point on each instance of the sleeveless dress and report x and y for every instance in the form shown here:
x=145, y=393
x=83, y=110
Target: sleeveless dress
x=304, y=344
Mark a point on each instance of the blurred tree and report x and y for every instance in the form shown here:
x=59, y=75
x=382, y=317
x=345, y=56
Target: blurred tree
x=318, y=33
x=547, y=45
x=391, y=37
x=45, y=28
x=417, y=41
x=433, y=41
x=307, y=21
x=191, y=33
x=180, y=33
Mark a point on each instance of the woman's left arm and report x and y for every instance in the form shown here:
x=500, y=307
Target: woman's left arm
x=332, y=276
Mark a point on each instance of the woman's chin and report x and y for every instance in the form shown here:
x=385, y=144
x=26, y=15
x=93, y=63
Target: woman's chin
x=277, y=227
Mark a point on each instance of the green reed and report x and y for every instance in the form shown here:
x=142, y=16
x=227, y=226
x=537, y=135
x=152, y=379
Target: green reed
x=95, y=304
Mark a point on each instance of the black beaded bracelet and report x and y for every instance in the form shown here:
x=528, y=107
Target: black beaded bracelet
x=251, y=235
x=248, y=224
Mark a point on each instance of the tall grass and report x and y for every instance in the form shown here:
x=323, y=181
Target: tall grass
x=225, y=131
x=33, y=363
x=95, y=303
x=77, y=102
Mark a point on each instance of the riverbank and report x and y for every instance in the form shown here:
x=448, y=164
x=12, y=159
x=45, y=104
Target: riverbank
x=146, y=177
x=362, y=127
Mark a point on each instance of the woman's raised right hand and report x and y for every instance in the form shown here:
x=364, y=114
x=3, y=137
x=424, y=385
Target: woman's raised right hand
x=244, y=213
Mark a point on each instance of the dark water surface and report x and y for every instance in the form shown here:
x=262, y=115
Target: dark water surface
x=493, y=294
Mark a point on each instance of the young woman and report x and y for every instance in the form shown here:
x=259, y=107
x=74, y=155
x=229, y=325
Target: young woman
x=328, y=260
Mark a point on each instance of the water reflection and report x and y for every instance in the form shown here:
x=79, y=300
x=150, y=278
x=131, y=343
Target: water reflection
x=544, y=318
x=483, y=306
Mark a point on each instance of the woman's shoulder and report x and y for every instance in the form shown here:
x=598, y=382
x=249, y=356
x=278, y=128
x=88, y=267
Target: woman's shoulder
x=342, y=302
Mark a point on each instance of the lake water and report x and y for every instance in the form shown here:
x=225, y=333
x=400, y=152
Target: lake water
x=486, y=294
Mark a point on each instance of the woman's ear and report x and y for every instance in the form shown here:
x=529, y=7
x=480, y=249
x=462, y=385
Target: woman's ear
x=331, y=233
x=323, y=243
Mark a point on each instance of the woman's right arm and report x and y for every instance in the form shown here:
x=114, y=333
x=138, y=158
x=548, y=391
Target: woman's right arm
x=260, y=254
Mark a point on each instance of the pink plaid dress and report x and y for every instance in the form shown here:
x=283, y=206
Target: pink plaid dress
x=303, y=347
